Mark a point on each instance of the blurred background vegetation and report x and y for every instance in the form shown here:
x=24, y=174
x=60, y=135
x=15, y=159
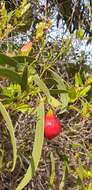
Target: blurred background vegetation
x=54, y=72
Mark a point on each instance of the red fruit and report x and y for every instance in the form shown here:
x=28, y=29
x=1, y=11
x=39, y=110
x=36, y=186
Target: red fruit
x=52, y=126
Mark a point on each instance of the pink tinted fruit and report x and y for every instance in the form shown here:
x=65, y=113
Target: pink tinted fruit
x=52, y=126
x=26, y=47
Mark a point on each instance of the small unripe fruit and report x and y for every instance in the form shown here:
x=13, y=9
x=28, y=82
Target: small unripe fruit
x=26, y=47
x=52, y=126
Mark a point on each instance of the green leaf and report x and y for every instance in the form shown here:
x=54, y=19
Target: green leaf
x=53, y=175
x=89, y=186
x=89, y=80
x=24, y=80
x=61, y=85
x=65, y=172
x=37, y=148
x=22, y=108
x=39, y=82
x=11, y=75
x=1, y=158
x=75, y=145
x=6, y=60
x=85, y=108
x=40, y=27
x=54, y=102
x=71, y=107
x=25, y=9
x=81, y=172
x=20, y=11
x=12, y=91
x=84, y=91
x=80, y=33
x=72, y=94
x=78, y=80
x=89, y=174
x=11, y=131
x=59, y=80
x=23, y=59
x=57, y=91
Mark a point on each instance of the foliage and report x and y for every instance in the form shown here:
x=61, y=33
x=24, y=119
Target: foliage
x=11, y=131
x=10, y=20
x=35, y=81
x=37, y=149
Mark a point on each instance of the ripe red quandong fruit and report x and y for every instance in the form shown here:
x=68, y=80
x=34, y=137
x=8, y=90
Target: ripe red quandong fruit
x=52, y=126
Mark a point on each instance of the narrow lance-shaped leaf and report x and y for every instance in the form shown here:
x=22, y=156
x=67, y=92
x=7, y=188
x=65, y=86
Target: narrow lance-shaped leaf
x=54, y=102
x=23, y=59
x=51, y=100
x=78, y=80
x=84, y=91
x=57, y=91
x=24, y=81
x=25, y=8
x=11, y=131
x=11, y=75
x=41, y=85
x=53, y=175
x=37, y=148
x=65, y=172
x=62, y=86
x=6, y=60
x=1, y=158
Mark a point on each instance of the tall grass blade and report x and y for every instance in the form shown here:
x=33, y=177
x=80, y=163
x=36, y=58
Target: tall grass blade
x=11, y=132
x=37, y=148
